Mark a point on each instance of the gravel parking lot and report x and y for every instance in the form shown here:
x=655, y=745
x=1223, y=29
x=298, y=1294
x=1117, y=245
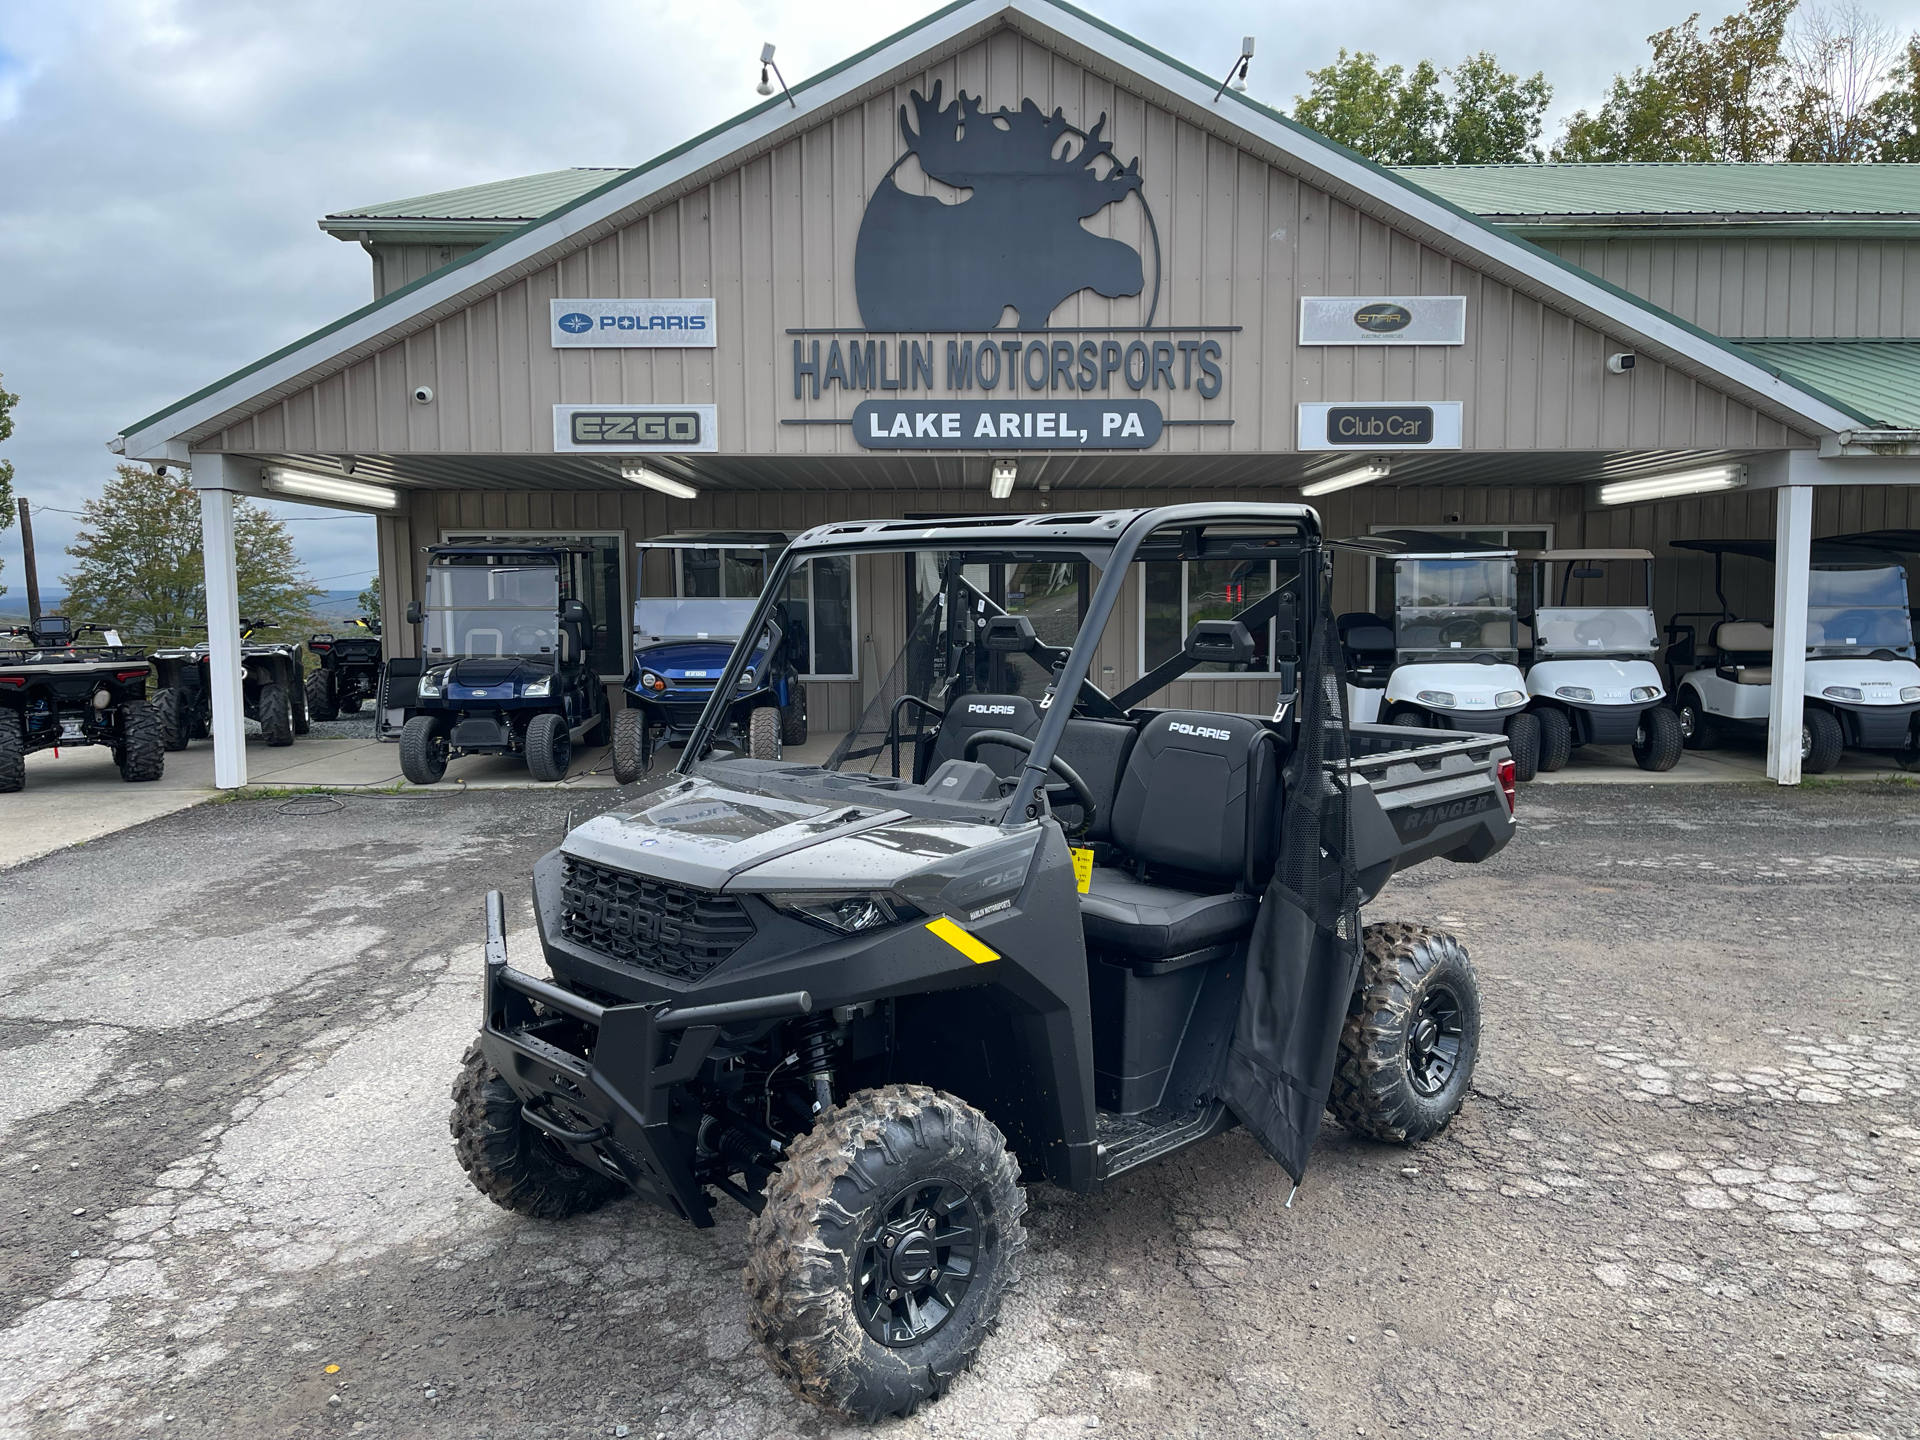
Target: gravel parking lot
x=1683, y=1201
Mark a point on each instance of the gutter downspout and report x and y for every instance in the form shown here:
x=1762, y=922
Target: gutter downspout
x=379, y=265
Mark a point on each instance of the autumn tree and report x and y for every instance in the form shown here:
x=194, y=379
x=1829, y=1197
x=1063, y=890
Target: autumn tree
x=1480, y=114
x=139, y=564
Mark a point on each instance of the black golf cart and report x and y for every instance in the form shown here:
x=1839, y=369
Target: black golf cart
x=56, y=690
x=506, y=665
x=270, y=688
x=348, y=673
x=1074, y=934
x=681, y=641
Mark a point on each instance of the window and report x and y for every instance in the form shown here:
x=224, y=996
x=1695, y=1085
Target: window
x=603, y=597
x=1518, y=537
x=820, y=599
x=1177, y=594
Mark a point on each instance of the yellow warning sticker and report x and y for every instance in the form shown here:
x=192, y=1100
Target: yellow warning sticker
x=964, y=941
x=1083, y=870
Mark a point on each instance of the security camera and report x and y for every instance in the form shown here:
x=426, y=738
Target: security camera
x=423, y=394
x=1621, y=363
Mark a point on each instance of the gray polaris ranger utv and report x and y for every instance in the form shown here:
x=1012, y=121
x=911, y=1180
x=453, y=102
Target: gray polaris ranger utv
x=1013, y=929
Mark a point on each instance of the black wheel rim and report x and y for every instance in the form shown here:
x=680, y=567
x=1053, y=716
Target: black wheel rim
x=1434, y=1037
x=915, y=1262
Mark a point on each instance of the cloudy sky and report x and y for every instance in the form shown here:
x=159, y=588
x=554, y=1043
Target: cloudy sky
x=162, y=162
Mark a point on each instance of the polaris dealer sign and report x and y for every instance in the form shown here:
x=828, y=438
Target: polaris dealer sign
x=632, y=324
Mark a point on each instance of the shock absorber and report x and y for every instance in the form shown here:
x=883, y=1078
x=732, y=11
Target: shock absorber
x=814, y=1041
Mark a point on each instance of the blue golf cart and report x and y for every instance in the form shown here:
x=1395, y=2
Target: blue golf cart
x=704, y=587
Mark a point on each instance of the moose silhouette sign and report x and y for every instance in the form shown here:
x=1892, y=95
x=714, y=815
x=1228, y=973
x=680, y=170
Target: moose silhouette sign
x=1016, y=240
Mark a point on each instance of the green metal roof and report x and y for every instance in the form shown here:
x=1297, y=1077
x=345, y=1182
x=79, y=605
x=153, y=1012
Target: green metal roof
x=496, y=206
x=1880, y=378
x=1805, y=192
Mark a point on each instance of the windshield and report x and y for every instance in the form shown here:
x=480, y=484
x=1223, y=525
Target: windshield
x=698, y=592
x=1595, y=629
x=1856, y=610
x=492, y=606
x=1454, y=609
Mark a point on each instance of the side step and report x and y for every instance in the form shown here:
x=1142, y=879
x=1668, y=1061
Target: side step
x=1124, y=1142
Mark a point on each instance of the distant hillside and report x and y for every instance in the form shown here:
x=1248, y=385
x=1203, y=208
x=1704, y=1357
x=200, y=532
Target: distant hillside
x=332, y=604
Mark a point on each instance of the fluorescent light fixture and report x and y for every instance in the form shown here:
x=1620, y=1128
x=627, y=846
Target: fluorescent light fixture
x=654, y=480
x=1359, y=475
x=330, y=487
x=1005, y=472
x=1680, y=482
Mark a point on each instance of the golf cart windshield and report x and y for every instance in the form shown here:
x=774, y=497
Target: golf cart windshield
x=1854, y=610
x=714, y=590
x=1586, y=630
x=1455, y=609
x=492, y=605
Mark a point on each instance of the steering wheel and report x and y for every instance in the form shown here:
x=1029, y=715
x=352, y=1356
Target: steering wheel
x=1844, y=625
x=1463, y=629
x=1600, y=627
x=529, y=637
x=1077, y=789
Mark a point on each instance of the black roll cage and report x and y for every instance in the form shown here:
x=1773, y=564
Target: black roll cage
x=1118, y=538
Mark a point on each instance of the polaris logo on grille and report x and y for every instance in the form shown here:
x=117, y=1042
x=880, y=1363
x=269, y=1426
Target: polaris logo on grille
x=1200, y=731
x=990, y=709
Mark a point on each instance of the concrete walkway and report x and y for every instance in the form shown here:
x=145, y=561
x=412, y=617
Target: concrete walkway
x=1734, y=762
x=79, y=796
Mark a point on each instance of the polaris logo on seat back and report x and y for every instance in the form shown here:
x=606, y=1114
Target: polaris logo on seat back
x=1203, y=731
x=990, y=709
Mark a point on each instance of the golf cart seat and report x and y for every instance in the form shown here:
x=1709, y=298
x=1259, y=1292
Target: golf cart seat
x=1746, y=651
x=1368, y=642
x=1181, y=811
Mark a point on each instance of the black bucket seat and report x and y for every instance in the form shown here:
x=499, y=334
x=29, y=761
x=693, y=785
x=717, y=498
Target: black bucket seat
x=1191, y=785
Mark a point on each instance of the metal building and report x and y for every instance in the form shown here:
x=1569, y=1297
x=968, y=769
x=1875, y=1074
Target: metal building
x=1011, y=240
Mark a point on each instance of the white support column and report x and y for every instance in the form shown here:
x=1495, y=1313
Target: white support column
x=1792, y=547
x=217, y=487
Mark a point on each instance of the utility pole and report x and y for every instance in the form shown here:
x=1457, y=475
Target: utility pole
x=33, y=573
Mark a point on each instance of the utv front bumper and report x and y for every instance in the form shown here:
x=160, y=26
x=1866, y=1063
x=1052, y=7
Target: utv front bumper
x=598, y=1080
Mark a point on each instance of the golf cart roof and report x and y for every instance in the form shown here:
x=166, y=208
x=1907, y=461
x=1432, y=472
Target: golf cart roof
x=1219, y=522
x=1904, y=542
x=1586, y=554
x=1423, y=545
x=717, y=540
x=1837, y=550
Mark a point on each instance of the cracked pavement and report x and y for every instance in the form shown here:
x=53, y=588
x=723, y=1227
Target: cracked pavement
x=1683, y=1200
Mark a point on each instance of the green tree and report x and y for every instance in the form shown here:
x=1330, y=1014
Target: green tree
x=369, y=601
x=1410, y=117
x=1724, y=95
x=7, y=402
x=139, y=565
x=1895, y=114
x=1840, y=61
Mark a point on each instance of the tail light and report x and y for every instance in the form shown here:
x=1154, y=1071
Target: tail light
x=19, y=680
x=130, y=674
x=1506, y=783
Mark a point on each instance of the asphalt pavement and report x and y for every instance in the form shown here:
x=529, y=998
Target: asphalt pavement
x=1682, y=1200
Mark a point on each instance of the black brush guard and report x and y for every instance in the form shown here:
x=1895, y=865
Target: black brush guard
x=619, y=1075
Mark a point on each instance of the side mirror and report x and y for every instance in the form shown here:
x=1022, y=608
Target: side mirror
x=413, y=612
x=1223, y=640
x=574, y=612
x=1009, y=634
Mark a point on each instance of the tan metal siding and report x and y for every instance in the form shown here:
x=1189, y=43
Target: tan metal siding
x=773, y=242
x=1755, y=288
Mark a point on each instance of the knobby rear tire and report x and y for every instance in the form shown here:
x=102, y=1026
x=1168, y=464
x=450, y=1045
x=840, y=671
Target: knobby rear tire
x=763, y=734
x=793, y=720
x=142, y=754
x=171, y=710
x=13, y=751
x=1374, y=1081
x=320, y=701
x=630, y=757
x=276, y=714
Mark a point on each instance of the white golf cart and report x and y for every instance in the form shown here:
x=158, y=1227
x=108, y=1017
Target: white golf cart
x=1592, y=680
x=1861, y=688
x=1445, y=655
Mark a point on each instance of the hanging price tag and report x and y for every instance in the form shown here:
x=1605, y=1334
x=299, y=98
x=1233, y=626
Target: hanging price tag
x=1083, y=870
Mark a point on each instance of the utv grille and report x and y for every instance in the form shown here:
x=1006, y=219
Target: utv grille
x=673, y=930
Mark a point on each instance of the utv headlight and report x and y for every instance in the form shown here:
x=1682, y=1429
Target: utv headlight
x=1509, y=697
x=1443, y=698
x=846, y=914
x=535, y=689
x=1644, y=692
x=1574, y=692
x=651, y=681
x=1910, y=692
x=1842, y=692
x=432, y=683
